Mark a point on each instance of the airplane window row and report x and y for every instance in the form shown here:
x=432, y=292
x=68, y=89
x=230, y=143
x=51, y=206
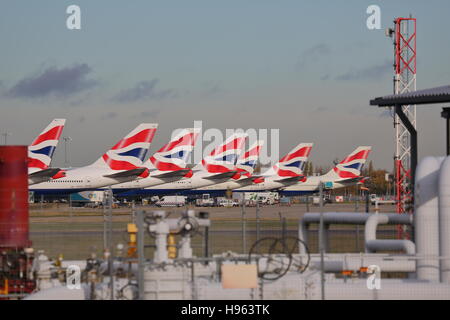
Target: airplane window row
x=57, y=180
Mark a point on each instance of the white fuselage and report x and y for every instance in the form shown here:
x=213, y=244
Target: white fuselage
x=228, y=185
x=269, y=183
x=150, y=181
x=198, y=180
x=84, y=178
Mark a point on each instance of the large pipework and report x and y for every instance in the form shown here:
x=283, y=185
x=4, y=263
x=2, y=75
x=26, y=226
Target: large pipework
x=426, y=217
x=444, y=220
x=14, y=197
x=358, y=219
x=370, y=234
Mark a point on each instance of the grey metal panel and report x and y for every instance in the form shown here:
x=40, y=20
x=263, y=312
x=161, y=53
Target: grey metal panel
x=426, y=96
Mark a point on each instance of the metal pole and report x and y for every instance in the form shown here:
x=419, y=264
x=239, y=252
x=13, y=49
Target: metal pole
x=105, y=204
x=244, y=240
x=356, y=210
x=206, y=242
x=257, y=219
x=321, y=244
x=110, y=242
x=140, y=252
x=367, y=201
x=446, y=115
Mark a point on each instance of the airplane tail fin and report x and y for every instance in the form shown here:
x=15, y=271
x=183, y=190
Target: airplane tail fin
x=129, y=152
x=292, y=164
x=351, y=166
x=40, y=151
x=174, y=155
x=247, y=162
x=223, y=158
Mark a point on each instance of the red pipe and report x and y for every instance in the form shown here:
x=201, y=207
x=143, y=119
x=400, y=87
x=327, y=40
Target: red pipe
x=14, y=197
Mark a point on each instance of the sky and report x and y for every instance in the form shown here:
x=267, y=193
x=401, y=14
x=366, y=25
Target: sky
x=307, y=68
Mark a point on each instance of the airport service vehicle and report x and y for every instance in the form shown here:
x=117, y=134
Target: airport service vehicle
x=40, y=153
x=287, y=171
x=171, y=201
x=123, y=162
x=168, y=164
x=268, y=198
x=205, y=201
x=344, y=174
x=83, y=198
x=245, y=166
x=217, y=167
x=224, y=202
x=376, y=200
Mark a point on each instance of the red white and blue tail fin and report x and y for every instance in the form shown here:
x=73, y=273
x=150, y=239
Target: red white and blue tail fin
x=351, y=166
x=129, y=152
x=174, y=155
x=292, y=164
x=40, y=151
x=223, y=158
x=247, y=162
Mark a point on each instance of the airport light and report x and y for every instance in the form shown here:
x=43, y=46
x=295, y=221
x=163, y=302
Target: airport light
x=5, y=136
x=66, y=139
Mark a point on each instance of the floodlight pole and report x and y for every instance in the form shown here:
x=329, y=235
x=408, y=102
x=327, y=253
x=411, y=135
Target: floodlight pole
x=413, y=134
x=446, y=115
x=321, y=243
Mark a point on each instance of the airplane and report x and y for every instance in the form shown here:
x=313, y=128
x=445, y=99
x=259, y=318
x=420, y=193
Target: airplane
x=168, y=164
x=287, y=171
x=217, y=167
x=123, y=162
x=245, y=166
x=40, y=153
x=344, y=174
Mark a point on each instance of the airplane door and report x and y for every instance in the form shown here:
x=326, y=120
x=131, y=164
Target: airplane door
x=88, y=181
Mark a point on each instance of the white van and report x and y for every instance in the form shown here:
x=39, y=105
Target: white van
x=171, y=201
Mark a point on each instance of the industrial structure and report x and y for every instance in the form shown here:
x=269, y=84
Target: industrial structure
x=405, y=55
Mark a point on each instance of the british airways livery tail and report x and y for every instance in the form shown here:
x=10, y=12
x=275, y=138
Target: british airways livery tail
x=287, y=171
x=351, y=166
x=129, y=152
x=223, y=158
x=40, y=151
x=292, y=164
x=174, y=155
x=344, y=174
x=247, y=162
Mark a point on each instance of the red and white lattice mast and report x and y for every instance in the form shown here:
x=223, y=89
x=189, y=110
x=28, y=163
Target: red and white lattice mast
x=404, y=81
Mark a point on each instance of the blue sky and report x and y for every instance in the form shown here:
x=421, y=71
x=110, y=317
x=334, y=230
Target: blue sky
x=308, y=68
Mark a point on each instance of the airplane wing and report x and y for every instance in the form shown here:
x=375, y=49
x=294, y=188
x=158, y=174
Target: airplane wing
x=223, y=175
x=173, y=174
x=128, y=173
x=351, y=180
x=290, y=179
x=44, y=174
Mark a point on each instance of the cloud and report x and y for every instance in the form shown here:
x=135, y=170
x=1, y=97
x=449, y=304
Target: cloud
x=144, y=90
x=375, y=72
x=148, y=114
x=108, y=116
x=62, y=82
x=387, y=113
x=312, y=55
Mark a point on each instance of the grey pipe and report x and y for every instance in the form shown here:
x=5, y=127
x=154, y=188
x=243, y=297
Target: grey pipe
x=370, y=233
x=444, y=220
x=426, y=218
x=343, y=218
